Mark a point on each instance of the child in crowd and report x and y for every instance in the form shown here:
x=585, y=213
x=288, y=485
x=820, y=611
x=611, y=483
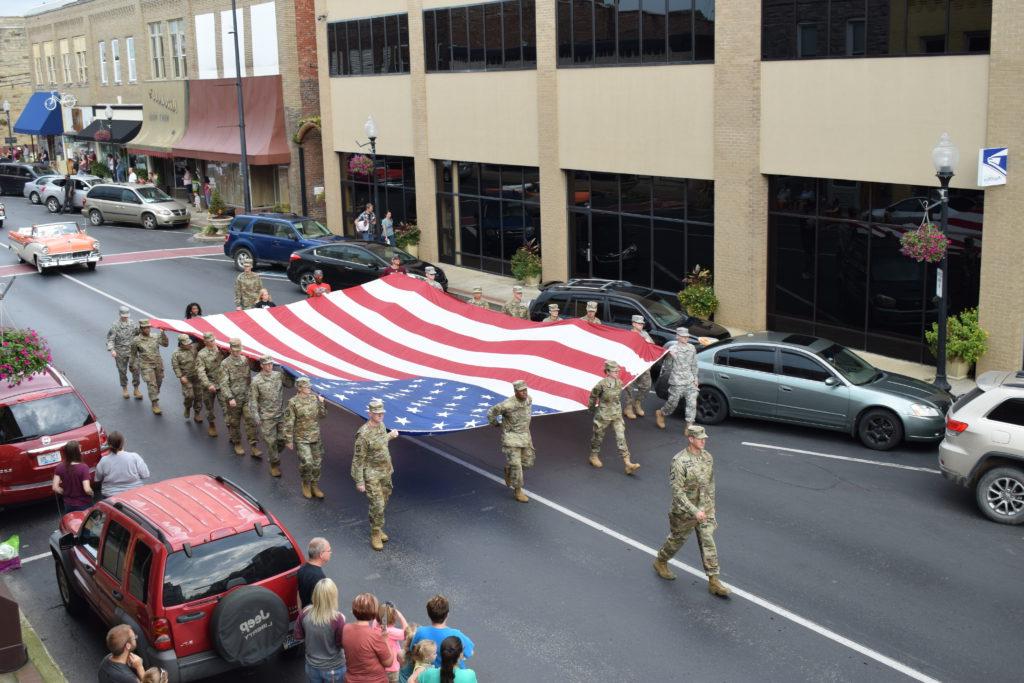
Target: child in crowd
x=423, y=654
x=388, y=620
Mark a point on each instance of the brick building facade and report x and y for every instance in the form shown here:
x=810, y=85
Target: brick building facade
x=15, y=79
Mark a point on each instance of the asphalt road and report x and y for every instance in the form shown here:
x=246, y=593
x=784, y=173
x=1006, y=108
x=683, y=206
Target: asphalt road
x=848, y=569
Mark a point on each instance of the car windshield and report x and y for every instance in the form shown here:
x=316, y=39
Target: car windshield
x=310, y=228
x=850, y=365
x=386, y=251
x=56, y=230
x=665, y=310
x=43, y=417
x=151, y=195
x=239, y=560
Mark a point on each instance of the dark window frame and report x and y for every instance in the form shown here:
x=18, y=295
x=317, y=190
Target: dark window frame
x=394, y=57
x=406, y=189
x=528, y=41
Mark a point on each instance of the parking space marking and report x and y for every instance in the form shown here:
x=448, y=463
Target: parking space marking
x=831, y=456
x=699, y=573
x=40, y=556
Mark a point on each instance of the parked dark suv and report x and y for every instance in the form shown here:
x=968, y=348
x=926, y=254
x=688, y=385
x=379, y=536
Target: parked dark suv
x=272, y=237
x=196, y=566
x=14, y=175
x=618, y=301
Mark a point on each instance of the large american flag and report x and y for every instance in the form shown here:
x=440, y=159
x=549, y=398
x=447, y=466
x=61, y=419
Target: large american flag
x=436, y=362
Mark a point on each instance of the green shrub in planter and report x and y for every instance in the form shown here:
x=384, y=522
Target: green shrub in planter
x=98, y=168
x=698, y=295
x=407, y=235
x=964, y=337
x=526, y=263
x=217, y=205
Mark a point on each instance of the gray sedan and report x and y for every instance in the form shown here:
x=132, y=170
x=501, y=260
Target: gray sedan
x=34, y=187
x=806, y=380
x=53, y=192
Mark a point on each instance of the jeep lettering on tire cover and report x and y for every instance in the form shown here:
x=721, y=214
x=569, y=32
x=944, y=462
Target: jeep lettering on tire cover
x=249, y=625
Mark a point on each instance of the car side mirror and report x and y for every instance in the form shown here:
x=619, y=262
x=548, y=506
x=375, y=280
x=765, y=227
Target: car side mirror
x=295, y=238
x=68, y=541
x=831, y=381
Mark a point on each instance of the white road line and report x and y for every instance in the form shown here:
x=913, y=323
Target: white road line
x=40, y=556
x=145, y=313
x=739, y=592
x=841, y=457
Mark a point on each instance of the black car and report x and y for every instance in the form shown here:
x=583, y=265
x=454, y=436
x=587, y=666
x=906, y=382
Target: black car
x=351, y=262
x=14, y=175
x=618, y=301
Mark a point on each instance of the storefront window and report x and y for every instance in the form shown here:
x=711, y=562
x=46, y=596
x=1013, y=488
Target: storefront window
x=396, y=188
x=485, y=213
x=835, y=269
x=647, y=230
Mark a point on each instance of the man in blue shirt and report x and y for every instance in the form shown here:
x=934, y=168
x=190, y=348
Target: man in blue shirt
x=437, y=610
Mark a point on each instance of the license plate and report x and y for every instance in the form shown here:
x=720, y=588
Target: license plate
x=48, y=459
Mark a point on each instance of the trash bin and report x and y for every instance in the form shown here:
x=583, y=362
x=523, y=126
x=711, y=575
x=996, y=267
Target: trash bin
x=12, y=650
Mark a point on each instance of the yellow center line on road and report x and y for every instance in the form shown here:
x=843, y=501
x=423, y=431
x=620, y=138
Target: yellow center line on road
x=830, y=456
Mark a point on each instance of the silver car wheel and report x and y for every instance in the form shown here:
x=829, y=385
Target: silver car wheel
x=34, y=197
x=1005, y=496
x=306, y=279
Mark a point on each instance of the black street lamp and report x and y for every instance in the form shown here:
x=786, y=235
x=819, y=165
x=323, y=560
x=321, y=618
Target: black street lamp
x=371, y=132
x=10, y=134
x=945, y=157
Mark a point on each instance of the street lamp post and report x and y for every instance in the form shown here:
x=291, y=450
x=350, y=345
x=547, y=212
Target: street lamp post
x=10, y=134
x=945, y=157
x=370, y=127
x=246, y=191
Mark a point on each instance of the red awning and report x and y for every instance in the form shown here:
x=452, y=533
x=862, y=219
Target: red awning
x=212, y=132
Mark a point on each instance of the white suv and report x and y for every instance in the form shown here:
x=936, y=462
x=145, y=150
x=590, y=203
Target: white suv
x=984, y=445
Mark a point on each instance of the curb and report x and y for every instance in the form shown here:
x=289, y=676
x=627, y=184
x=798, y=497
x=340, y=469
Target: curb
x=38, y=655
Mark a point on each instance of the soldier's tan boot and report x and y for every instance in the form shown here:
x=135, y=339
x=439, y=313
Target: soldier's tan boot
x=508, y=475
x=238, y=448
x=306, y=492
x=659, y=418
x=631, y=466
x=212, y=430
x=662, y=570
x=383, y=537
x=188, y=413
x=275, y=470
x=520, y=496
x=595, y=461
x=124, y=392
x=198, y=417
x=256, y=452
x=376, y=542
x=156, y=408
x=638, y=408
x=138, y=394
x=715, y=587
x=628, y=411
x=315, y=486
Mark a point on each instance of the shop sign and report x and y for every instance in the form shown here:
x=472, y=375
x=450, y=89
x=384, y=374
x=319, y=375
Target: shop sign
x=992, y=165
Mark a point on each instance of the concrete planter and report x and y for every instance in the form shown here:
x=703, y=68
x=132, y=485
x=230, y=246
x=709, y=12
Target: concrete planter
x=413, y=250
x=221, y=224
x=531, y=280
x=957, y=368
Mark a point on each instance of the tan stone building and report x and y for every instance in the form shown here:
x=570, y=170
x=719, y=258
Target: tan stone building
x=787, y=144
x=15, y=79
x=165, y=70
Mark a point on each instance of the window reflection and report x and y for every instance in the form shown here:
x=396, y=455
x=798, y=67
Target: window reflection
x=396, y=190
x=369, y=46
x=491, y=36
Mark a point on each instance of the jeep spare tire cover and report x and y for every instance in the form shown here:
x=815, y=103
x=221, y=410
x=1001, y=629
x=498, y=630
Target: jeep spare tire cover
x=249, y=625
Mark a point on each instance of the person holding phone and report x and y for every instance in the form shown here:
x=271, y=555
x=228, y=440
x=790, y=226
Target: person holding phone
x=122, y=665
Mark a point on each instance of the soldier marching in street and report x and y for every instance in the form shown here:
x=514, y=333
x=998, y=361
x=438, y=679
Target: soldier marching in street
x=431, y=274
x=266, y=407
x=208, y=362
x=606, y=404
x=478, y=298
x=636, y=391
x=591, y=316
x=682, y=380
x=186, y=368
x=247, y=287
x=235, y=376
x=552, y=314
x=515, y=306
x=302, y=433
x=119, y=345
x=145, y=354
x=516, y=443
x=692, y=478
x=372, y=468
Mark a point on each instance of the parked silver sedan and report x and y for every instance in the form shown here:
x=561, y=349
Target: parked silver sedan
x=811, y=381
x=34, y=187
x=53, y=192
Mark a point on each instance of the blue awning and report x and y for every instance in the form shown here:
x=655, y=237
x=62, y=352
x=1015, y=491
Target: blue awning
x=37, y=120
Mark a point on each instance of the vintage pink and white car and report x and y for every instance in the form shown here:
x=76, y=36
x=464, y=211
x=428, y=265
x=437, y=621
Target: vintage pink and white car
x=55, y=244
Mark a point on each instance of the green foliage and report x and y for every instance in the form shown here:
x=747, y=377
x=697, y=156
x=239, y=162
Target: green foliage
x=698, y=295
x=964, y=337
x=217, y=205
x=142, y=174
x=98, y=168
x=23, y=353
x=281, y=207
x=526, y=261
x=407, y=235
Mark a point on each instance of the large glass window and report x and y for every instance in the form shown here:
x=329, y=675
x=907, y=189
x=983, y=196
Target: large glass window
x=814, y=29
x=396, y=189
x=494, y=36
x=644, y=229
x=486, y=212
x=365, y=47
x=606, y=32
x=835, y=267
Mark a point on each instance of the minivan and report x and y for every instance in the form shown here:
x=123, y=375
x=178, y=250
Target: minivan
x=145, y=205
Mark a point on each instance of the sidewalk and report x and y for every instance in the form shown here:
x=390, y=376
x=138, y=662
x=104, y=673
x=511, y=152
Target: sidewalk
x=40, y=667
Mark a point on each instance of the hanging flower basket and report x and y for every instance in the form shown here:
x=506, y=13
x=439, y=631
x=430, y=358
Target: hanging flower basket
x=360, y=164
x=926, y=244
x=23, y=353
x=102, y=135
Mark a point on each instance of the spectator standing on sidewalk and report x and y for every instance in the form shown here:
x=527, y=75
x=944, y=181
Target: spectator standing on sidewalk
x=366, y=223
x=393, y=625
x=154, y=674
x=71, y=479
x=122, y=665
x=120, y=470
x=367, y=654
x=420, y=658
x=318, y=553
x=321, y=626
x=452, y=665
x=437, y=610
x=387, y=226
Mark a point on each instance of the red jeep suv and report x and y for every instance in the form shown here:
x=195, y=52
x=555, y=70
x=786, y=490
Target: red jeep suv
x=37, y=418
x=201, y=571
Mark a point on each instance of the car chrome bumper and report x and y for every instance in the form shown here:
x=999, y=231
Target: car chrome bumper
x=56, y=260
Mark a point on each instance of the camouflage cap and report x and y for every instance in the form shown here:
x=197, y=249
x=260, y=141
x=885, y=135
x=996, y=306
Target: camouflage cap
x=209, y=336
x=610, y=365
x=519, y=385
x=478, y=290
x=517, y=289
x=430, y=270
x=184, y=339
x=696, y=431
x=235, y=343
x=682, y=332
x=638, y=319
x=266, y=360
x=591, y=305
x=302, y=382
x=143, y=322
x=123, y=310
x=375, y=406
x=552, y=307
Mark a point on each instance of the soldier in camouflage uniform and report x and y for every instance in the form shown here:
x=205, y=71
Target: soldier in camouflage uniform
x=266, y=407
x=552, y=314
x=606, y=404
x=247, y=287
x=478, y=298
x=145, y=355
x=119, y=346
x=515, y=306
x=693, y=507
x=682, y=380
x=516, y=442
x=371, y=469
x=636, y=391
x=186, y=369
x=430, y=272
x=208, y=369
x=591, y=316
x=301, y=425
x=235, y=376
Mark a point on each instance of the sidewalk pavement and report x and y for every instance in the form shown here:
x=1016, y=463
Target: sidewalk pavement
x=40, y=667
